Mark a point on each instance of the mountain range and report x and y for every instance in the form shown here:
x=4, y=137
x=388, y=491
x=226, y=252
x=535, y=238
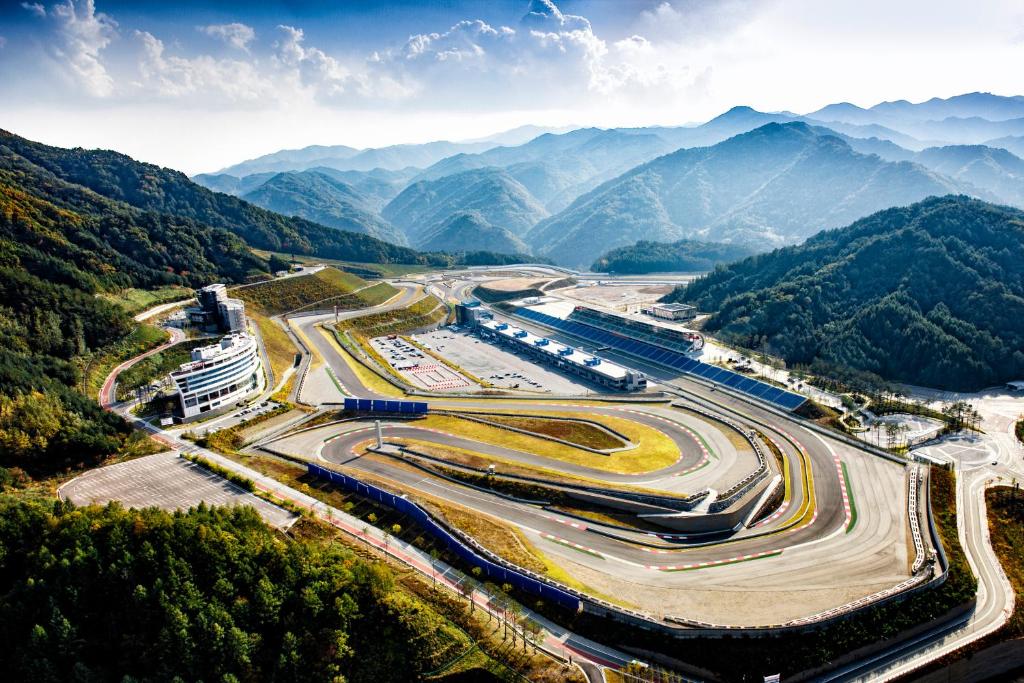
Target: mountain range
x=777, y=184
x=470, y=231
x=323, y=199
x=929, y=294
x=492, y=192
x=574, y=195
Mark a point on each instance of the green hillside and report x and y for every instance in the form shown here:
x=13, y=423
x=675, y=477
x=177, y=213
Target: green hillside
x=328, y=287
x=777, y=184
x=165, y=191
x=470, y=231
x=686, y=256
x=325, y=200
x=930, y=294
x=68, y=257
x=500, y=200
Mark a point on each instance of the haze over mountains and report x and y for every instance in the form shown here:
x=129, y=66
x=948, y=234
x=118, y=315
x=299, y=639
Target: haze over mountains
x=571, y=196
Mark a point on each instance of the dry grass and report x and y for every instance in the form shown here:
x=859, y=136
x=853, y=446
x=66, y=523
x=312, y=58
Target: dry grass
x=579, y=433
x=461, y=456
x=654, y=449
x=496, y=536
x=278, y=345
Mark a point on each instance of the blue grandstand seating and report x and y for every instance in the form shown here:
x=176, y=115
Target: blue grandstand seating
x=668, y=357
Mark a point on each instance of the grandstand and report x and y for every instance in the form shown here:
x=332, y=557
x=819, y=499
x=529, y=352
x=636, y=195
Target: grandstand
x=628, y=336
x=669, y=338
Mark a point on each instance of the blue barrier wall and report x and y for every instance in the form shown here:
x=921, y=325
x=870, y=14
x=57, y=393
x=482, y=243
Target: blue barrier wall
x=376, y=405
x=493, y=572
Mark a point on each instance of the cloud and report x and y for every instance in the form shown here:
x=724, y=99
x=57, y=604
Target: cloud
x=549, y=58
x=35, y=8
x=213, y=79
x=696, y=20
x=82, y=34
x=236, y=35
x=327, y=79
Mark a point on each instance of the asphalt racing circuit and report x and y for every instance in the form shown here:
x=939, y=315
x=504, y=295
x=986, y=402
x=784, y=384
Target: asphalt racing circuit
x=702, y=512
x=826, y=528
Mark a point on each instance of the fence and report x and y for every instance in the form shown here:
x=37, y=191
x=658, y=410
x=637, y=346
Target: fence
x=493, y=571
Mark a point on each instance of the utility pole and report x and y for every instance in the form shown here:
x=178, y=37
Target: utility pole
x=380, y=437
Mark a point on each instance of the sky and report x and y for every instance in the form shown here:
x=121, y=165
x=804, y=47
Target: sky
x=201, y=85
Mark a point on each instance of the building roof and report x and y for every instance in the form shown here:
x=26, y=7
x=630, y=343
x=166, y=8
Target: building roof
x=674, y=307
x=558, y=350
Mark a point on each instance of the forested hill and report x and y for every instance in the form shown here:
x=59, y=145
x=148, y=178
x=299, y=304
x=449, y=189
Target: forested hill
x=930, y=294
x=686, y=256
x=61, y=244
x=165, y=191
x=108, y=594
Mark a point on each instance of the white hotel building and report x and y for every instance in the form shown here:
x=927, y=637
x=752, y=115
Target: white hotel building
x=219, y=374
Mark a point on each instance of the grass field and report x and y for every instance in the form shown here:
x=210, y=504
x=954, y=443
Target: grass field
x=278, y=345
x=421, y=313
x=137, y=300
x=461, y=456
x=287, y=294
x=381, y=270
x=645, y=458
x=579, y=433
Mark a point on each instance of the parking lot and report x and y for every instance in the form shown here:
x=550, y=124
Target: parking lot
x=499, y=365
x=420, y=368
x=169, y=483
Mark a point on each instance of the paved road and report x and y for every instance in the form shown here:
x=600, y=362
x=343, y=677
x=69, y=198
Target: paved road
x=107, y=395
x=556, y=640
x=815, y=536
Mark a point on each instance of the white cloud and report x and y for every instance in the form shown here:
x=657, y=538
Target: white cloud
x=236, y=35
x=324, y=78
x=179, y=77
x=697, y=20
x=35, y=8
x=81, y=35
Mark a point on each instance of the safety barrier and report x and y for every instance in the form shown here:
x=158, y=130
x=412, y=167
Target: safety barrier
x=915, y=524
x=377, y=405
x=466, y=549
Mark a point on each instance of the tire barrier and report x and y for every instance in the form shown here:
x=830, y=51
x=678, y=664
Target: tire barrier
x=464, y=547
